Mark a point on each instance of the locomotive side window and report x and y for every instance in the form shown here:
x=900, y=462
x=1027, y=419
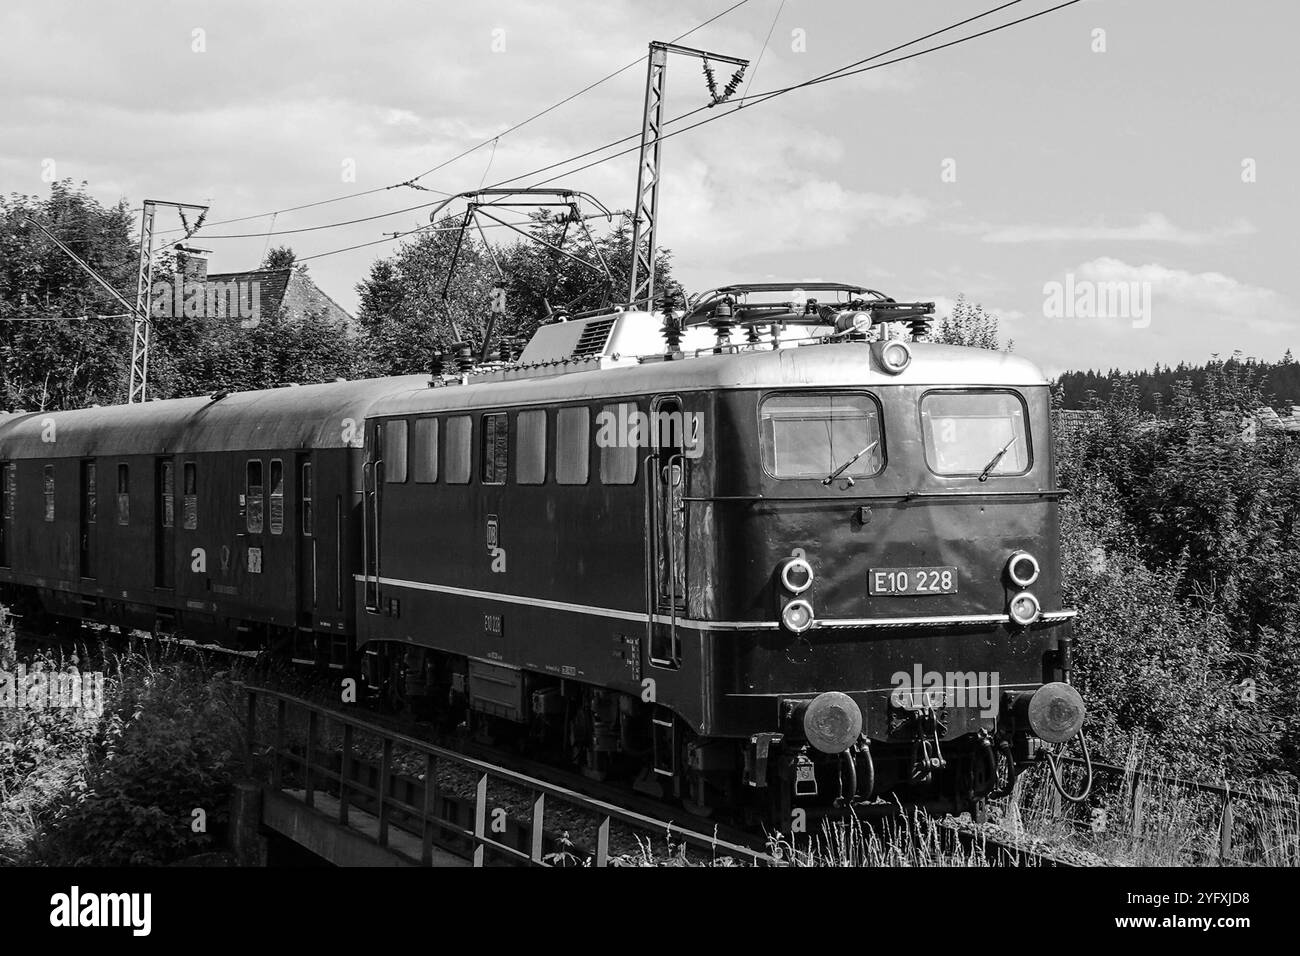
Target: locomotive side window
x=253, y=496
x=424, y=455
x=459, y=433
x=190, y=497
x=395, y=452
x=277, y=496
x=123, y=494
x=812, y=435
x=572, y=434
x=530, y=468
x=618, y=454
x=496, y=448
x=974, y=433
x=49, y=492
x=91, y=505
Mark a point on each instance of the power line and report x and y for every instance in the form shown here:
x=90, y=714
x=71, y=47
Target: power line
x=574, y=96
x=413, y=180
x=759, y=98
x=756, y=99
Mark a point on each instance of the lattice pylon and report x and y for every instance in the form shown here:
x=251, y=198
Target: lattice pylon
x=140, y=325
x=647, y=182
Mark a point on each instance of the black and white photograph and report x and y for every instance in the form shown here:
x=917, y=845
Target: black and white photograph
x=695, y=435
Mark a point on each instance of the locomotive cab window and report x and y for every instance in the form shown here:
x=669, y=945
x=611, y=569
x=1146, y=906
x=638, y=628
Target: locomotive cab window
x=975, y=433
x=395, y=452
x=813, y=435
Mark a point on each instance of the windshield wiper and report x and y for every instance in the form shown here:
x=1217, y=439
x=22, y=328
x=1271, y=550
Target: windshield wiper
x=845, y=467
x=993, y=462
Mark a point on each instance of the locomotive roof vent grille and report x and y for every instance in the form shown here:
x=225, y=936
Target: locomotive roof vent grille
x=595, y=336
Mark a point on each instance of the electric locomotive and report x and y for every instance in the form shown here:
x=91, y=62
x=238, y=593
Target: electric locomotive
x=775, y=554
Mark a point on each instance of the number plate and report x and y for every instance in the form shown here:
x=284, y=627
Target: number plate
x=905, y=582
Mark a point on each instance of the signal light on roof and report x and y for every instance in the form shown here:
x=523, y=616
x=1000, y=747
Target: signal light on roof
x=895, y=356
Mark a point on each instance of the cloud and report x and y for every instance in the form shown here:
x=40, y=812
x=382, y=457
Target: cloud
x=1153, y=227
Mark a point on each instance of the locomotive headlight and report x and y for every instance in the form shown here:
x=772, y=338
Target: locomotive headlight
x=797, y=616
x=1025, y=609
x=1022, y=568
x=895, y=356
x=797, y=575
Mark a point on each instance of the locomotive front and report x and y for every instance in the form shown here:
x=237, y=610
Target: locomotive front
x=897, y=506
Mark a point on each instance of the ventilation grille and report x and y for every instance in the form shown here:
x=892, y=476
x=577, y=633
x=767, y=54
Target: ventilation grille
x=594, y=337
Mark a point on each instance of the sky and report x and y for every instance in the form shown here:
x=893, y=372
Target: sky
x=1109, y=179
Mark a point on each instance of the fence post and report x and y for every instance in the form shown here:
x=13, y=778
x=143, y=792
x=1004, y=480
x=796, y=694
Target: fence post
x=385, y=769
x=602, y=843
x=539, y=811
x=430, y=803
x=1225, y=825
x=1135, y=799
x=277, y=774
x=311, y=750
x=480, y=818
x=345, y=771
x=251, y=725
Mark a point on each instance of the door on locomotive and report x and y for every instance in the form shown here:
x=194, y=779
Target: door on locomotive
x=665, y=467
x=89, y=518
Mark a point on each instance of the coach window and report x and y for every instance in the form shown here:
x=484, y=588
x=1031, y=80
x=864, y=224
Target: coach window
x=49, y=492
x=253, y=491
x=617, y=442
x=530, y=450
x=815, y=434
x=424, y=453
x=395, y=452
x=123, y=494
x=167, y=478
x=10, y=488
x=572, y=438
x=974, y=434
x=190, y=497
x=277, y=496
x=496, y=448
x=459, y=456
x=307, y=495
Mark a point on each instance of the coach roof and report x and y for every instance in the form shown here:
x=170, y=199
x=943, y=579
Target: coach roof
x=307, y=416
x=845, y=364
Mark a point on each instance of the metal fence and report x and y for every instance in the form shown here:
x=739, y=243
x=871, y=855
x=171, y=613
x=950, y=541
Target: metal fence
x=326, y=761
